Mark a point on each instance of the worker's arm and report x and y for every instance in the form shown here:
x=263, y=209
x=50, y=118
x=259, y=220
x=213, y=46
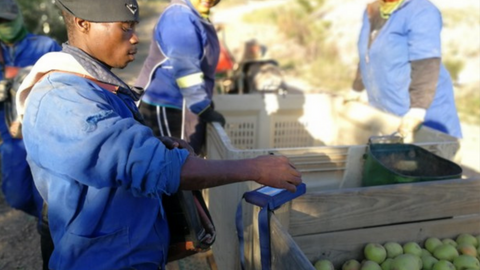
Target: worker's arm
x=357, y=84
x=422, y=90
x=274, y=171
x=424, y=51
x=182, y=41
x=424, y=76
x=357, y=87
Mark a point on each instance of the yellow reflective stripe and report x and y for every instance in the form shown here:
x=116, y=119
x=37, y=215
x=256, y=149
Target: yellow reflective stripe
x=190, y=80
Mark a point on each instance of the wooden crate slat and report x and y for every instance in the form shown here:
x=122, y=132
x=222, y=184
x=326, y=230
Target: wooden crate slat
x=342, y=246
x=344, y=209
x=285, y=252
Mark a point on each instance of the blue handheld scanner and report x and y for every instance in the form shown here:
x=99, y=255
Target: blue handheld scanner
x=274, y=197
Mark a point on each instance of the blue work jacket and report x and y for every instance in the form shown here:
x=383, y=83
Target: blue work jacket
x=17, y=183
x=411, y=33
x=102, y=174
x=182, y=60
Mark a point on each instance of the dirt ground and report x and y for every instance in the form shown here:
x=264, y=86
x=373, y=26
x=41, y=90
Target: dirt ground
x=19, y=240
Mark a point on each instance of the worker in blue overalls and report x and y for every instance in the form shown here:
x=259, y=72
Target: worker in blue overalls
x=400, y=65
x=19, y=50
x=179, y=73
x=102, y=172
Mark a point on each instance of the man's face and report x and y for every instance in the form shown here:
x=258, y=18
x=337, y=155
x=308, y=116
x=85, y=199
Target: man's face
x=203, y=6
x=112, y=43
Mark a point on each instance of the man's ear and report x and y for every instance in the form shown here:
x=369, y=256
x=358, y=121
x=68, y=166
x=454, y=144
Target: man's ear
x=82, y=24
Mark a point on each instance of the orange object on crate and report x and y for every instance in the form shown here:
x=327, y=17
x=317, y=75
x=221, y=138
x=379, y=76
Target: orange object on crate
x=225, y=61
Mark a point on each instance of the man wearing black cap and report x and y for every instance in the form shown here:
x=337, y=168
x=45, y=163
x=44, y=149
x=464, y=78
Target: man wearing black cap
x=19, y=50
x=102, y=172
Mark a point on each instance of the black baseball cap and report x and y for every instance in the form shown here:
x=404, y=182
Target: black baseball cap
x=9, y=9
x=101, y=10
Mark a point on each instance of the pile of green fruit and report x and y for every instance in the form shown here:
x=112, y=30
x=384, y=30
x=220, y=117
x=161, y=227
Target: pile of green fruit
x=463, y=253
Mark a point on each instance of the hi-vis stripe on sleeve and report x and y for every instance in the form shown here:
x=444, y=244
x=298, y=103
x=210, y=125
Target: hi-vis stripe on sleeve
x=190, y=80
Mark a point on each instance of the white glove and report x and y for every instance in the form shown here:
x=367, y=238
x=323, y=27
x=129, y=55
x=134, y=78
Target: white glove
x=352, y=95
x=411, y=122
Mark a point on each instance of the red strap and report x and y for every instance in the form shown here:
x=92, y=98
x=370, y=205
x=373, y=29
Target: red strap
x=107, y=86
x=10, y=72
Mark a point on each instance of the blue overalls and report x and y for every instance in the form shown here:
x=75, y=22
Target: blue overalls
x=17, y=182
x=411, y=33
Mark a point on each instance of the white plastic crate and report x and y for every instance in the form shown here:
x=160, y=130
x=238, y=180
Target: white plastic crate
x=323, y=137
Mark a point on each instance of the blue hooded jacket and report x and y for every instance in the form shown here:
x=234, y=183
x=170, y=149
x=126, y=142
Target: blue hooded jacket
x=182, y=60
x=102, y=173
x=17, y=183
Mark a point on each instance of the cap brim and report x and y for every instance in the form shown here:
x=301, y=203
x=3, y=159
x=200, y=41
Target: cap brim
x=8, y=16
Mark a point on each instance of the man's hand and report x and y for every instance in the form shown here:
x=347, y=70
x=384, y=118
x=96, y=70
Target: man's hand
x=210, y=115
x=172, y=142
x=278, y=172
x=273, y=171
x=411, y=122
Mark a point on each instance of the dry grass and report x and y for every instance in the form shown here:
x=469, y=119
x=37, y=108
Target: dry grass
x=320, y=64
x=468, y=103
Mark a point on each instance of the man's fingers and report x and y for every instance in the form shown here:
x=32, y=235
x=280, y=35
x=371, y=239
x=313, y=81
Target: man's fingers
x=296, y=181
x=290, y=187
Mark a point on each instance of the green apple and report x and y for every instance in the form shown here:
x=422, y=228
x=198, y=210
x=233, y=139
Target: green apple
x=428, y=261
x=467, y=249
x=351, y=265
x=324, y=264
x=431, y=243
x=464, y=262
x=467, y=238
x=375, y=252
x=393, y=249
x=443, y=265
x=406, y=261
x=386, y=264
x=425, y=252
x=412, y=248
x=370, y=265
x=449, y=241
x=445, y=252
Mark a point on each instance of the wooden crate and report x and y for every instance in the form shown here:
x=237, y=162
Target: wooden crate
x=323, y=137
x=337, y=224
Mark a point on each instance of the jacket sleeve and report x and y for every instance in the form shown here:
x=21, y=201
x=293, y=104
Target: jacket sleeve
x=85, y=134
x=182, y=40
x=423, y=86
x=357, y=84
x=424, y=47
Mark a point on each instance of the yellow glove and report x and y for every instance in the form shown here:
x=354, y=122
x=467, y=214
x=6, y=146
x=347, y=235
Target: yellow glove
x=411, y=122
